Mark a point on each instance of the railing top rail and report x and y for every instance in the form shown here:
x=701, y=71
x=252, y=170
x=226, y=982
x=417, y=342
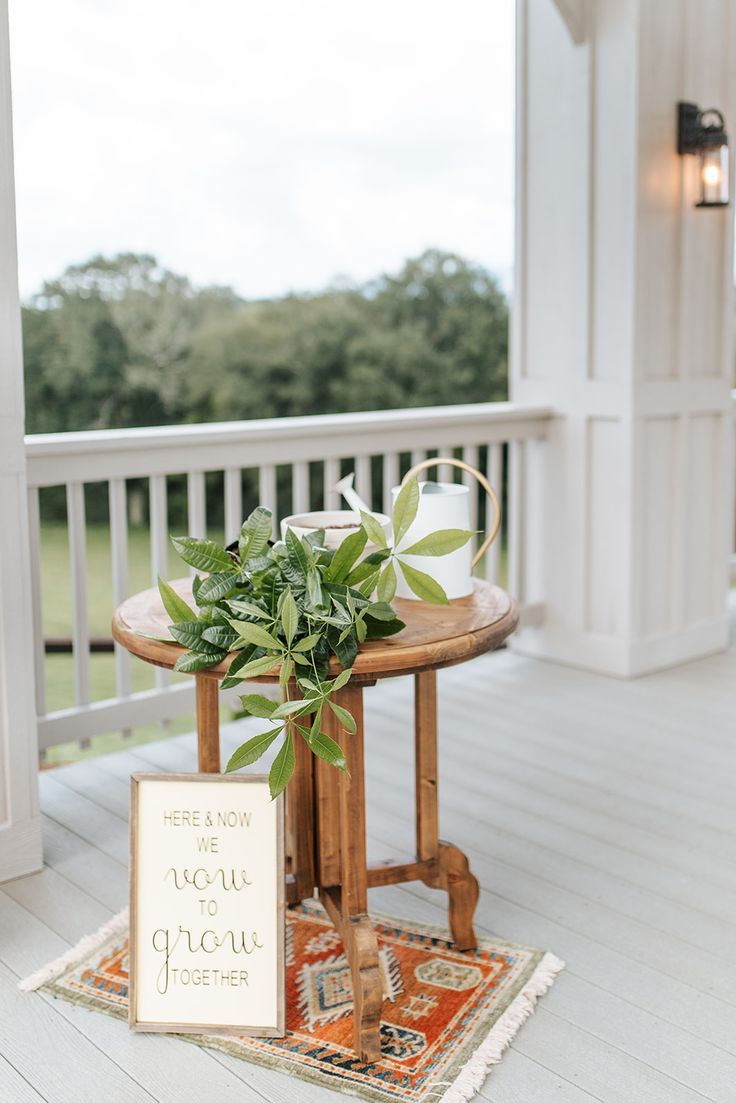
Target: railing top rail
x=54, y=458
x=281, y=428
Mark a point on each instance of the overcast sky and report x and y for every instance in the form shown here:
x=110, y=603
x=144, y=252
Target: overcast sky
x=267, y=144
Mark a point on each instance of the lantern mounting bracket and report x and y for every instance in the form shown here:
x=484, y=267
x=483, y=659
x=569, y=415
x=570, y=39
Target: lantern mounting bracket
x=694, y=133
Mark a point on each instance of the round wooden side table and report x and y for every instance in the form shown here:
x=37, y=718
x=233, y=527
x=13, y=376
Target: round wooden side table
x=325, y=808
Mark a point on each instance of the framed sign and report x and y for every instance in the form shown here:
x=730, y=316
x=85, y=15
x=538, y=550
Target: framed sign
x=206, y=905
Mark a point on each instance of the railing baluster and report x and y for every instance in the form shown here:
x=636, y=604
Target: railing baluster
x=196, y=507
x=80, y=623
x=494, y=474
x=119, y=557
x=300, y=488
x=331, y=476
x=267, y=492
x=363, y=480
x=517, y=490
x=233, y=504
x=470, y=455
x=390, y=479
x=39, y=654
x=159, y=525
x=361, y=436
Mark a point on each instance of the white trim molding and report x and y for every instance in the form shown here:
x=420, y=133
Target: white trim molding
x=20, y=825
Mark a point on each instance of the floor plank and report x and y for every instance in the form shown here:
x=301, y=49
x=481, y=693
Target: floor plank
x=599, y=818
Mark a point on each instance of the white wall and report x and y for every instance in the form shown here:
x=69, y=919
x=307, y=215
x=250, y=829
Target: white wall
x=20, y=834
x=622, y=322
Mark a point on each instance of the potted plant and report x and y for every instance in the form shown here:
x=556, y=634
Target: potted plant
x=295, y=604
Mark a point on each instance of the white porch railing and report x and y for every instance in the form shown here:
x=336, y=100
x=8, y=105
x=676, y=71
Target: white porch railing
x=379, y=446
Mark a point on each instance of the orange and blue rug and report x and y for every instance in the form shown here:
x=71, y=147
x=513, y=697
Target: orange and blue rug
x=447, y=1016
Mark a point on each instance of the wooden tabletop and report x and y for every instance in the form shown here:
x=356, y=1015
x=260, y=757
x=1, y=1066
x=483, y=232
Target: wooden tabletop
x=434, y=636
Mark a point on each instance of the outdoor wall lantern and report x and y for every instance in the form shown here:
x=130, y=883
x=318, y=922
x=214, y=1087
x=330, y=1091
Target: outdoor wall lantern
x=703, y=133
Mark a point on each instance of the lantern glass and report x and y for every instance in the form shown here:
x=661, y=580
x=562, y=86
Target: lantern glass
x=714, y=176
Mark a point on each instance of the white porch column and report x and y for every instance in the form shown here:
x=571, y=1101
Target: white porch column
x=622, y=322
x=20, y=825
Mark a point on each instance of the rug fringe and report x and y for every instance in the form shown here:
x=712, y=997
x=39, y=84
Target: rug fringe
x=491, y=1049
x=86, y=945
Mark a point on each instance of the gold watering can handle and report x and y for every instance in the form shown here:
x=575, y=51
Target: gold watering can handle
x=483, y=482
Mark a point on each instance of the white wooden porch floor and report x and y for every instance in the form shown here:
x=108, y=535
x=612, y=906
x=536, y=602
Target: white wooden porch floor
x=600, y=819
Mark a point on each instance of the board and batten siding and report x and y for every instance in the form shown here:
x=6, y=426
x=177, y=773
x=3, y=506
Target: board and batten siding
x=623, y=324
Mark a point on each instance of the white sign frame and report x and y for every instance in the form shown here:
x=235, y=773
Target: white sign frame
x=267, y=855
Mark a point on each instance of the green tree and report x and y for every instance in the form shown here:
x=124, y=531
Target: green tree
x=104, y=341
x=124, y=341
x=435, y=334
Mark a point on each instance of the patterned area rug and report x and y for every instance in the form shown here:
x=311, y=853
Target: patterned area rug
x=447, y=1016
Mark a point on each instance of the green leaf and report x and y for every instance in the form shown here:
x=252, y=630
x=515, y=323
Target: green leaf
x=194, y=661
x=346, y=650
x=405, y=509
x=282, y=768
x=288, y=708
x=233, y=678
x=314, y=590
x=286, y=671
x=298, y=555
x=238, y=605
x=203, y=555
x=191, y=634
x=257, y=667
x=386, y=589
x=255, y=534
x=346, y=555
x=342, y=679
x=374, y=528
x=326, y=748
x=316, y=723
x=379, y=629
x=381, y=610
x=251, y=750
x=307, y=643
x=368, y=566
x=345, y=718
x=222, y=637
x=367, y=587
x=423, y=585
x=441, y=542
x=289, y=615
x=174, y=605
x=255, y=704
x=254, y=634
x=315, y=539
x=215, y=587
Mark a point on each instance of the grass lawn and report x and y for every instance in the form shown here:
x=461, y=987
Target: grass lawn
x=57, y=620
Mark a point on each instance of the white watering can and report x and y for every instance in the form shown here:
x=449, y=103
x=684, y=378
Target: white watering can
x=445, y=506
x=441, y=506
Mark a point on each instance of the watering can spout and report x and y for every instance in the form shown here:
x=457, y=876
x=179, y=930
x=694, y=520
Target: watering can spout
x=345, y=487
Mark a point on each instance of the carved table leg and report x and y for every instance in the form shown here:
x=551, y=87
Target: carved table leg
x=452, y=871
x=462, y=888
x=208, y=724
x=348, y=904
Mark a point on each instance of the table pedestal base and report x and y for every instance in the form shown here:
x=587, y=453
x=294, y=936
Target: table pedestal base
x=326, y=843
